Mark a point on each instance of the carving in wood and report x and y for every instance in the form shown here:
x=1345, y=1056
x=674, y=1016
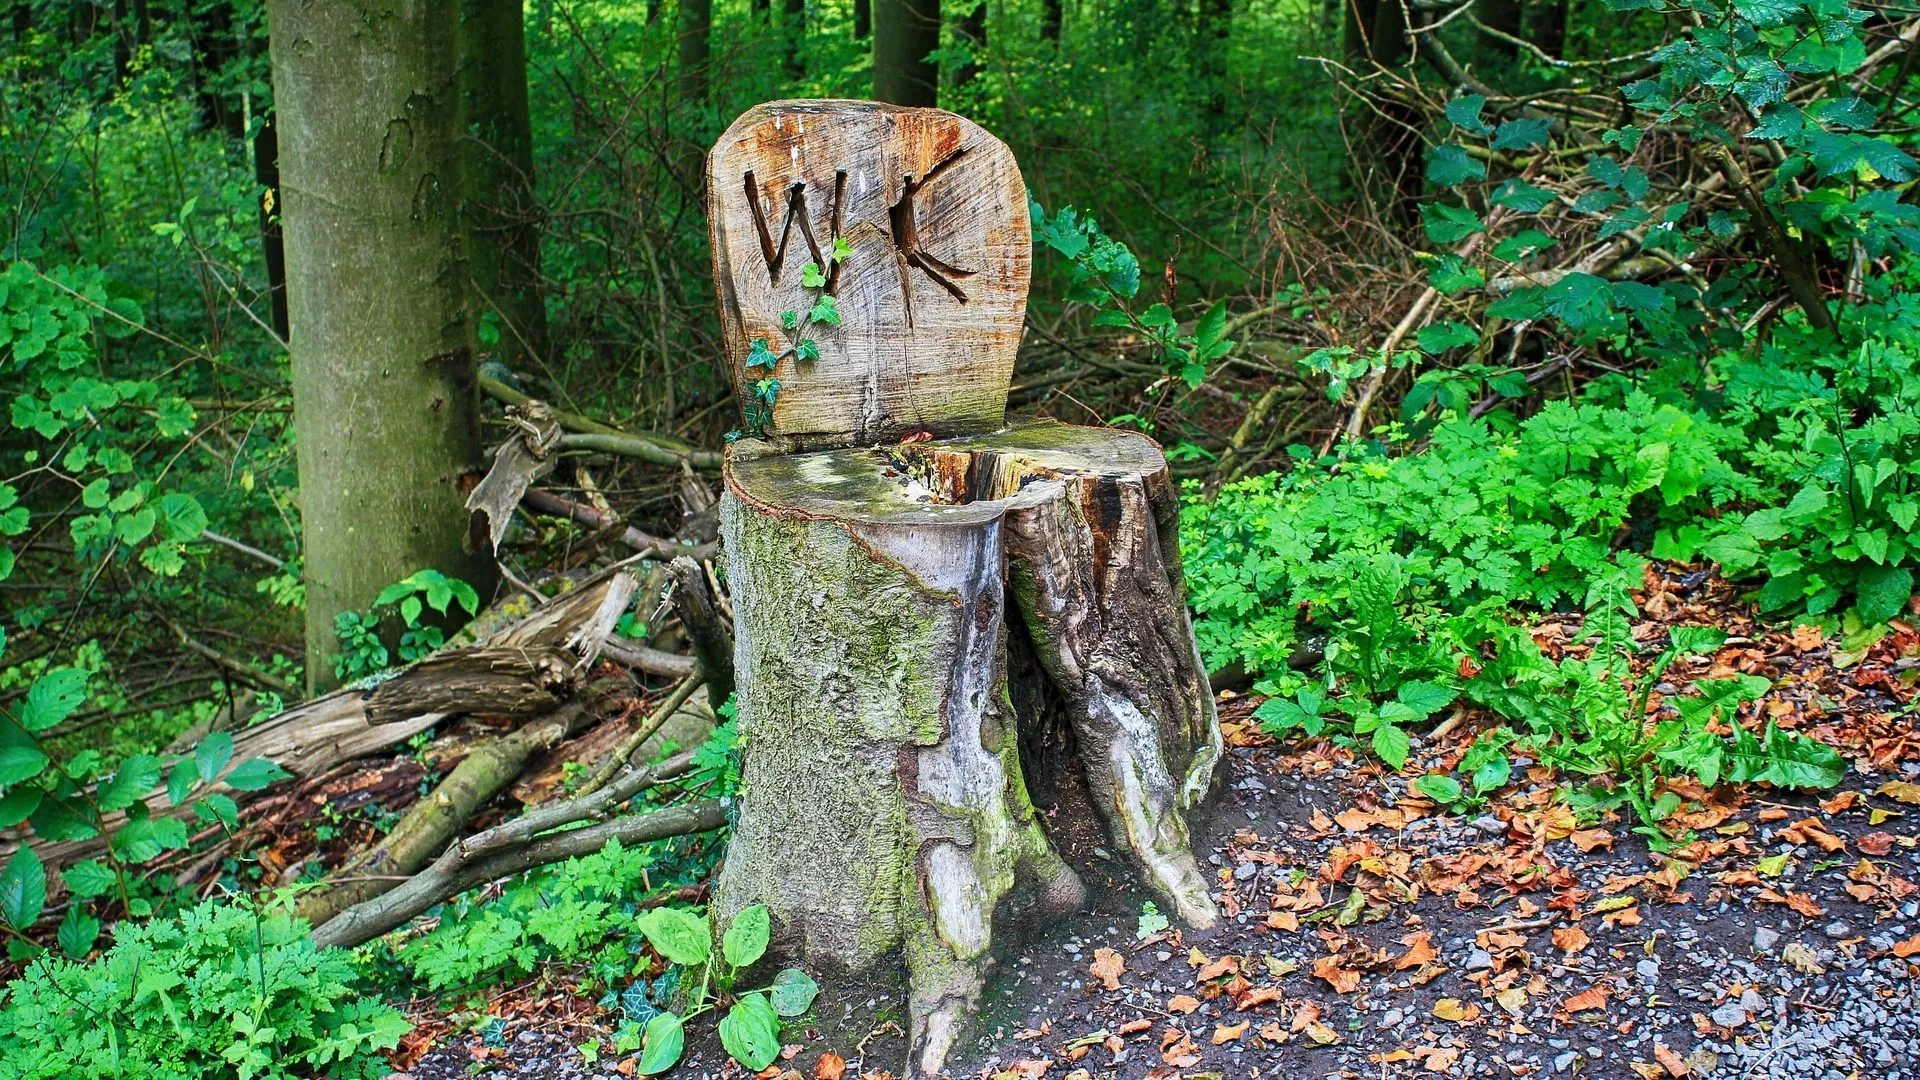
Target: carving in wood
x=931, y=289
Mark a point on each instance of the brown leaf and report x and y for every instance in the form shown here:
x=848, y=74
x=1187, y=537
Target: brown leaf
x=1810, y=831
x=1670, y=1058
x=1804, y=904
x=1875, y=843
x=1108, y=966
x=1420, y=951
x=1226, y=965
x=1321, y=1034
x=1226, y=1033
x=1909, y=947
x=1588, y=1000
x=831, y=1066
x=1183, y=1004
x=1902, y=790
x=1133, y=1027
x=1570, y=939
x=1455, y=1010
x=1344, y=980
x=1591, y=839
x=1258, y=996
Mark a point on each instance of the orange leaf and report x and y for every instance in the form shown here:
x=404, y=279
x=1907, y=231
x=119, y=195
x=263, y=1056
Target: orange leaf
x=1420, y=951
x=1253, y=999
x=1588, y=1000
x=1909, y=947
x=1667, y=1056
x=1591, y=839
x=1183, y=1003
x=1570, y=939
x=1226, y=1033
x=1226, y=965
x=1876, y=843
x=1344, y=980
x=831, y=1066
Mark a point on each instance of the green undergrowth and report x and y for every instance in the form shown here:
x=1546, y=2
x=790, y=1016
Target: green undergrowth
x=1376, y=587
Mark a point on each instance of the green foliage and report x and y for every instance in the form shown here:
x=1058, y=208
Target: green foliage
x=364, y=653
x=64, y=797
x=225, y=990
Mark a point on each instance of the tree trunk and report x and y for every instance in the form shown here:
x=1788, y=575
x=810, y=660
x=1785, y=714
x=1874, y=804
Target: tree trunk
x=895, y=610
x=862, y=19
x=501, y=208
x=266, y=172
x=383, y=377
x=905, y=34
x=973, y=31
x=793, y=27
x=1050, y=19
x=1549, y=19
x=696, y=23
x=1213, y=23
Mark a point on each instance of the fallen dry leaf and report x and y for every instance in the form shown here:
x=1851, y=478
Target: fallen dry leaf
x=1226, y=965
x=1455, y=1010
x=1183, y=1004
x=1900, y=790
x=1514, y=999
x=1909, y=947
x=1256, y=997
x=1226, y=1033
x=1344, y=980
x=1108, y=966
x=1321, y=1034
x=1570, y=939
x=831, y=1066
x=1591, y=839
x=1588, y=1000
x=1875, y=843
x=1420, y=951
x=1676, y=1065
x=1805, y=960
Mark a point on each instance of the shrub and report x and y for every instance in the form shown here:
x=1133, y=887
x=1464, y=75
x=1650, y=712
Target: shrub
x=225, y=990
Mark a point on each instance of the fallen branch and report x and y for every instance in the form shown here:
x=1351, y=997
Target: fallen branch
x=712, y=642
x=434, y=821
x=661, y=449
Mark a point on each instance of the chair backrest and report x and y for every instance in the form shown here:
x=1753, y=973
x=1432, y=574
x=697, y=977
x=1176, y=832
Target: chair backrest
x=872, y=261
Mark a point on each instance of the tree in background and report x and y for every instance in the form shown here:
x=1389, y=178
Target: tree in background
x=905, y=35
x=696, y=24
x=383, y=369
x=971, y=31
x=499, y=204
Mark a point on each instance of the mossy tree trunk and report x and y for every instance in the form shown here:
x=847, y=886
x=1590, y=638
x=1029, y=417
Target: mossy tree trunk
x=383, y=378
x=890, y=604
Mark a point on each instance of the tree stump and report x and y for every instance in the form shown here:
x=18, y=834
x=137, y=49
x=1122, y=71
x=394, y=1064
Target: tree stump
x=924, y=628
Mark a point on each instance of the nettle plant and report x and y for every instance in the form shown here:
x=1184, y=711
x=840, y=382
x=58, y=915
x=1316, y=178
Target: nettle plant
x=78, y=798
x=1105, y=275
x=825, y=311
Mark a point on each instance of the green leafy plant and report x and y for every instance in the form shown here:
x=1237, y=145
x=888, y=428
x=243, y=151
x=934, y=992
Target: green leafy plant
x=228, y=989
x=363, y=653
x=750, y=1030
x=65, y=798
x=825, y=311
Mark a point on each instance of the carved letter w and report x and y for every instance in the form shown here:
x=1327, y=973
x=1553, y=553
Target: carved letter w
x=797, y=213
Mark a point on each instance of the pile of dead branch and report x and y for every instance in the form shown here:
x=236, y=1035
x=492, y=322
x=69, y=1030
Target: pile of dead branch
x=544, y=662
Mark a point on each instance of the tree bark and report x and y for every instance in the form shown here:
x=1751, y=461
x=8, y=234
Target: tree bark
x=499, y=202
x=383, y=375
x=905, y=34
x=895, y=608
x=696, y=24
x=1050, y=19
x=862, y=19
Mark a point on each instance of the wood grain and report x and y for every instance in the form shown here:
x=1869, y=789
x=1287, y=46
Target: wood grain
x=932, y=294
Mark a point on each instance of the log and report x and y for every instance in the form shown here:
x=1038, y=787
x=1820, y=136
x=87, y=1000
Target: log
x=319, y=734
x=881, y=596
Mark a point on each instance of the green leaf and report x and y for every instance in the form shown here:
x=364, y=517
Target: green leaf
x=1436, y=338
x=1425, y=698
x=54, y=697
x=1523, y=244
x=138, y=775
x=812, y=277
x=212, y=754
x=18, y=804
x=680, y=936
x=1449, y=224
x=23, y=888
x=1520, y=134
x=662, y=1045
x=1883, y=592
x=1391, y=744
x=78, y=931
x=751, y=1032
x=826, y=311
x=793, y=992
x=19, y=763
x=254, y=774
x=1464, y=113
x=1449, y=166
x=1439, y=787
x=89, y=879
x=180, y=781
x=746, y=939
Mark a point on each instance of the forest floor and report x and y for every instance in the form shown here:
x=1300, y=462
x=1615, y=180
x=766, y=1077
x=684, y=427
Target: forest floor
x=1367, y=934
